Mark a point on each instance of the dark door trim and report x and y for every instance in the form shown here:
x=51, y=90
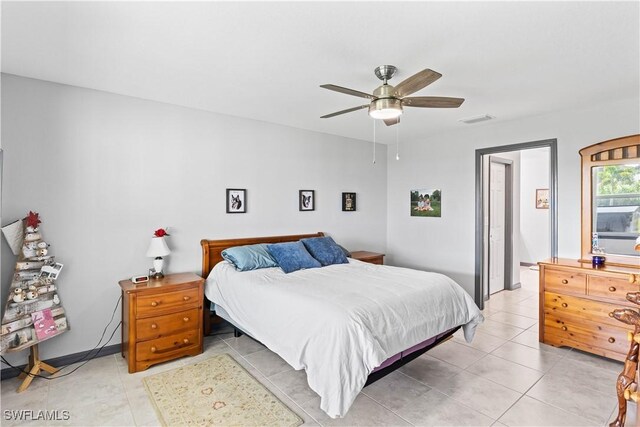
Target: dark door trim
x=553, y=203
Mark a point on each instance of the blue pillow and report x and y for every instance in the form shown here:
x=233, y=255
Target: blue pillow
x=325, y=250
x=249, y=257
x=292, y=256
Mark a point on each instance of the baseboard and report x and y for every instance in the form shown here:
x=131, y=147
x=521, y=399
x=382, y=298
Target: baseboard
x=514, y=287
x=58, y=362
x=527, y=264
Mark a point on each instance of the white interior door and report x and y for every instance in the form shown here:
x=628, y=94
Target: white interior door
x=497, y=206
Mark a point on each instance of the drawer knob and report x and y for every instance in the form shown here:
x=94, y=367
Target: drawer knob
x=186, y=319
x=186, y=298
x=565, y=305
x=186, y=340
x=611, y=340
x=564, y=328
x=154, y=326
x=612, y=288
x=153, y=349
x=565, y=281
x=154, y=303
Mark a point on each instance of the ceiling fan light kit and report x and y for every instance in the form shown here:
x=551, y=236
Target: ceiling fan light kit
x=387, y=102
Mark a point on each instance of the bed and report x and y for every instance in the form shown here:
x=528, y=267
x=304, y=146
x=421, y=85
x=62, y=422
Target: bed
x=347, y=325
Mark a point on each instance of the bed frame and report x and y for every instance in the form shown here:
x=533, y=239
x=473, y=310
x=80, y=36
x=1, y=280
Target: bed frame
x=212, y=254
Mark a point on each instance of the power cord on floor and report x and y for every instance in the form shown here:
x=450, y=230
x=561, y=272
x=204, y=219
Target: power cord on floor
x=87, y=354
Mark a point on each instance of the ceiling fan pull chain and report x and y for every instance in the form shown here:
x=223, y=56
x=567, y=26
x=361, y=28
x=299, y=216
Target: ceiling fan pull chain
x=398, y=140
x=374, y=141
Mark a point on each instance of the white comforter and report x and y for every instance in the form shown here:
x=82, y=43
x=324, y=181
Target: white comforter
x=342, y=321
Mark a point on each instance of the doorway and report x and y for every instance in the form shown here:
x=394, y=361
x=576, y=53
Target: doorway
x=496, y=222
x=499, y=222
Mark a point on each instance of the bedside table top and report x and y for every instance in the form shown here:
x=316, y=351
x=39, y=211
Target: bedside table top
x=365, y=255
x=167, y=281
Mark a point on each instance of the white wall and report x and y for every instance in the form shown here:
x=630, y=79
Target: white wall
x=534, y=223
x=447, y=161
x=105, y=171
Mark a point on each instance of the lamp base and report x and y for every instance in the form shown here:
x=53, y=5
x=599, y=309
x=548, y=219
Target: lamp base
x=158, y=263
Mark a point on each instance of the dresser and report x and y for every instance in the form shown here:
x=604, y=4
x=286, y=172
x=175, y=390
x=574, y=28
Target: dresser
x=575, y=301
x=161, y=319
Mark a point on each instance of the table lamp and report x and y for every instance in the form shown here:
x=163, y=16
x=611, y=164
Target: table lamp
x=157, y=249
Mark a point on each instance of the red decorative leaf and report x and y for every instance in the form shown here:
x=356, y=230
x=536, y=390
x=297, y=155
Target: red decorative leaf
x=33, y=219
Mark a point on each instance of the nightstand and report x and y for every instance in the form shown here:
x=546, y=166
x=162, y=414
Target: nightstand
x=161, y=319
x=370, y=257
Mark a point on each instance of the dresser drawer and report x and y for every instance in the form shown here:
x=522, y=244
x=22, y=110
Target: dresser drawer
x=155, y=327
x=172, y=345
x=161, y=303
x=579, y=309
x=611, y=288
x=591, y=334
x=565, y=281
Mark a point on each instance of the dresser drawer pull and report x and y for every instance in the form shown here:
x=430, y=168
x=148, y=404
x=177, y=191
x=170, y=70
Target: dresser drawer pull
x=186, y=298
x=153, y=349
x=154, y=326
x=154, y=303
x=564, y=328
x=186, y=340
x=565, y=305
x=612, y=288
x=186, y=319
x=611, y=340
x=565, y=281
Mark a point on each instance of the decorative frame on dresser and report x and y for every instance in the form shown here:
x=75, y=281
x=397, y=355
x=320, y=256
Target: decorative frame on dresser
x=577, y=296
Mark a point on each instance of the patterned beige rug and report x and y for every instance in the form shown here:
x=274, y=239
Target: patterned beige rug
x=216, y=392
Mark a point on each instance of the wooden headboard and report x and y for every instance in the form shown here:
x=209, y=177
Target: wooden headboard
x=212, y=249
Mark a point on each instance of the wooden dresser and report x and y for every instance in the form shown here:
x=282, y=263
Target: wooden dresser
x=575, y=301
x=161, y=319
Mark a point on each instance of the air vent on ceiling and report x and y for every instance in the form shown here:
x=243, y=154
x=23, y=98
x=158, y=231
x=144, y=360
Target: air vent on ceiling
x=477, y=119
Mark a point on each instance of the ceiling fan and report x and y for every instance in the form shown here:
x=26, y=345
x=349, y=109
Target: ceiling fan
x=387, y=101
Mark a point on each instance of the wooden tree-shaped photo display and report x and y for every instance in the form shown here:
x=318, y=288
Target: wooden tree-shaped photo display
x=33, y=312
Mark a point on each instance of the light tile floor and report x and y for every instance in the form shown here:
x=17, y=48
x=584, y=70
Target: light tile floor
x=504, y=377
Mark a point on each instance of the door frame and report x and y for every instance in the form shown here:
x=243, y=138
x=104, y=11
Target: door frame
x=508, y=222
x=552, y=144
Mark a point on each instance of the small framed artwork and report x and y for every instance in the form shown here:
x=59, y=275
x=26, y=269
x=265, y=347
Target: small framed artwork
x=542, y=198
x=426, y=202
x=307, y=200
x=236, y=200
x=348, y=202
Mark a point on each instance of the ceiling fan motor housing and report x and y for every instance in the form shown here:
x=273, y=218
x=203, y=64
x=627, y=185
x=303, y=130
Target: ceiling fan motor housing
x=385, y=106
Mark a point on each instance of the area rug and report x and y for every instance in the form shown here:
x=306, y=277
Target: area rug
x=216, y=392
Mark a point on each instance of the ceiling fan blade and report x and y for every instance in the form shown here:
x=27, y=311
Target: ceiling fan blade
x=432, y=102
x=348, y=91
x=391, y=122
x=337, y=113
x=416, y=82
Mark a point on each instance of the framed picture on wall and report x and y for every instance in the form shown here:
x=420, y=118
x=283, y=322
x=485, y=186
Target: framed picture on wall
x=307, y=200
x=542, y=198
x=426, y=202
x=348, y=202
x=236, y=200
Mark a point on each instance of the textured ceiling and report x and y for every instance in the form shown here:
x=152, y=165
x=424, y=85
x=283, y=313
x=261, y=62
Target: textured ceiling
x=266, y=60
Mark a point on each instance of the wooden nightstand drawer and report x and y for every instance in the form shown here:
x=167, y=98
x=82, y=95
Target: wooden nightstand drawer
x=565, y=282
x=155, y=327
x=160, y=303
x=611, y=288
x=161, y=348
